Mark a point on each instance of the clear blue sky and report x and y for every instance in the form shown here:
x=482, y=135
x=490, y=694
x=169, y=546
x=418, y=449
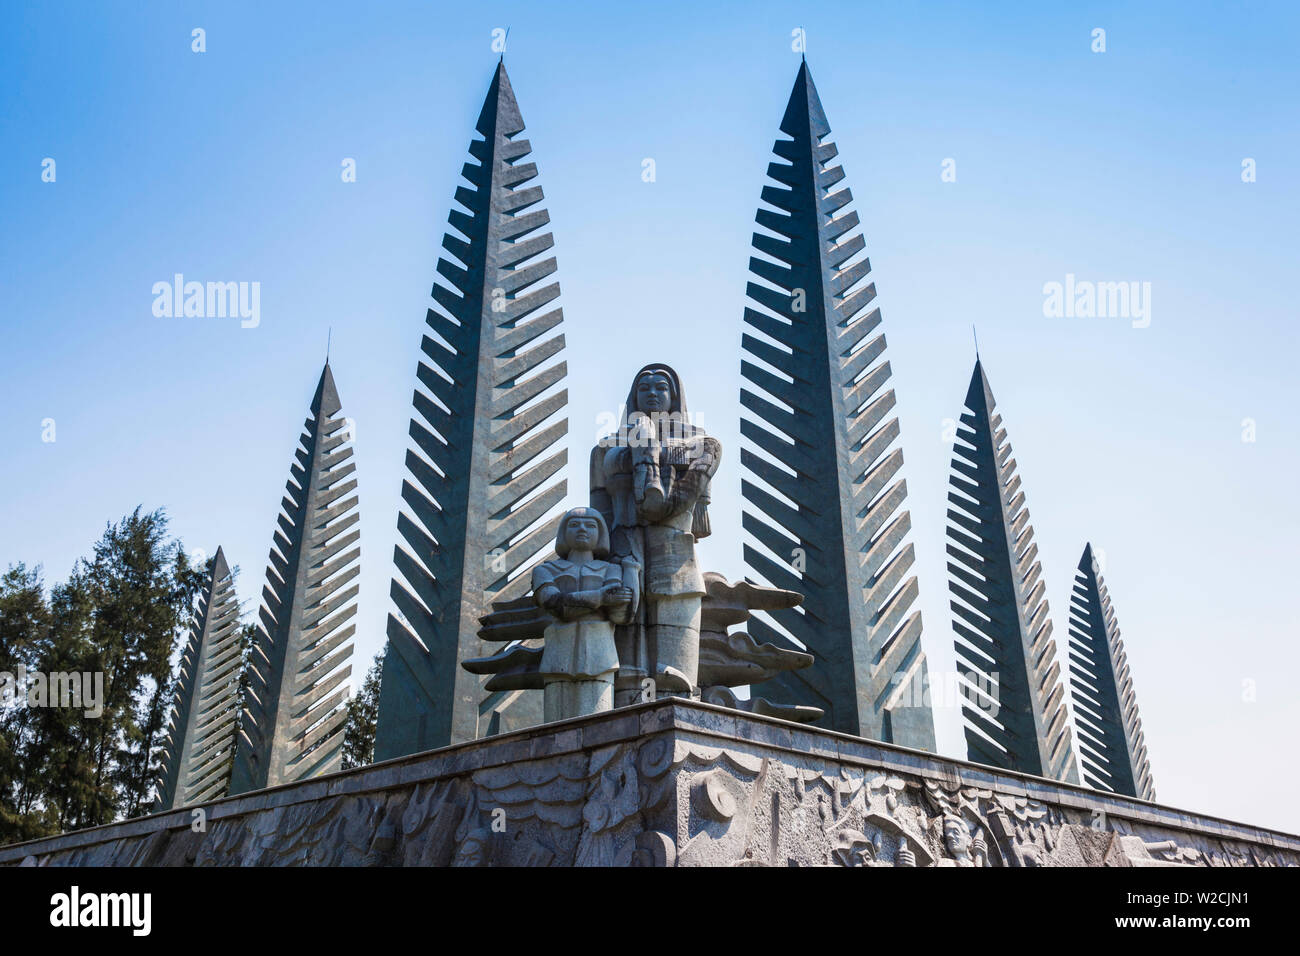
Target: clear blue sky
x=1123, y=165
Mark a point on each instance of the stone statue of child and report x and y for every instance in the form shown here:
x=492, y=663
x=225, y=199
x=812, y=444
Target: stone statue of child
x=586, y=595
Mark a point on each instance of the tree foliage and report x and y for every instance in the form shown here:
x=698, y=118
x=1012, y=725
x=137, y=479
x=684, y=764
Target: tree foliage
x=363, y=714
x=117, y=618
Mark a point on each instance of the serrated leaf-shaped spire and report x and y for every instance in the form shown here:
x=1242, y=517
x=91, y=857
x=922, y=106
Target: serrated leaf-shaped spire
x=1015, y=710
x=480, y=495
x=1111, y=745
x=292, y=726
x=199, y=740
x=826, y=502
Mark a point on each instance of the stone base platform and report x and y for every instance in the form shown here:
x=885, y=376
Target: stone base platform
x=670, y=783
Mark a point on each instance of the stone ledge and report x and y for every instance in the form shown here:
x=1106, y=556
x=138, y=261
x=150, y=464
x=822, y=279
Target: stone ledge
x=672, y=782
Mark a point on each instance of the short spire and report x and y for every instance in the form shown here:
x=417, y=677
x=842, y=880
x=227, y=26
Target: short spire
x=199, y=735
x=1014, y=712
x=1113, y=749
x=292, y=722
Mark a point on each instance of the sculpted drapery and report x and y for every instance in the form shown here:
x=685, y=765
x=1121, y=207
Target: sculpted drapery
x=650, y=481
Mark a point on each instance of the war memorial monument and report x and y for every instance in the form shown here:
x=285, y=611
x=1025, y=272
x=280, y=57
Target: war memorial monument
x=567, y=683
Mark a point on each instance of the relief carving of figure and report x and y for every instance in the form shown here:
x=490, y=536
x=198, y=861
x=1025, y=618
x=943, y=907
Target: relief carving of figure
x=650, y=481
x=964, y=850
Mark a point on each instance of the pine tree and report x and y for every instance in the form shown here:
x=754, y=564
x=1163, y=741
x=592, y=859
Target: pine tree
x=115, y=616
x=363, y=714
x=24, y=630
x=139, y=605
x=62, y=785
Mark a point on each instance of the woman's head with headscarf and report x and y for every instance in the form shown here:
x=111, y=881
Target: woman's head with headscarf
x=656, y=388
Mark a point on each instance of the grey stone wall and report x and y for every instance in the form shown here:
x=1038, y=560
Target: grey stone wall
x=671, y=783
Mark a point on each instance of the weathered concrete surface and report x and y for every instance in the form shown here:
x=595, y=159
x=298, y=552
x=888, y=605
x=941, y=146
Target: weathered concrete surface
x=294, y=715
x=487, y=409
x=1015, y=715
x=672, y=782
x=837, y=458
x=1112, y=747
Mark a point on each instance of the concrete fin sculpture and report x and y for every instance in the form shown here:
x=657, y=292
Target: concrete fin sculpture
x=1014, y=705
x=733, y=658
x=826, y=502
x=1111, y=746
x=293, y=718
x=481, y=499
x=727, y=659
x=199, y=741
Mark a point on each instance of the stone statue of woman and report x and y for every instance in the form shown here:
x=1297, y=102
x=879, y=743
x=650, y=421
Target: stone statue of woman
x=585, y=594
x=650, y=480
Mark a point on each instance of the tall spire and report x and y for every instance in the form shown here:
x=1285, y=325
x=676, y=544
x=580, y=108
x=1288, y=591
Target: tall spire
x=1111, y=745
x=1015, y=709
x=292, y=725
x=837, y=533
x=480, y=484
x=199, y=741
